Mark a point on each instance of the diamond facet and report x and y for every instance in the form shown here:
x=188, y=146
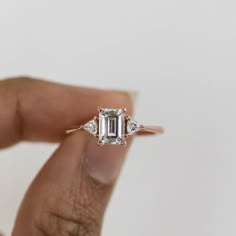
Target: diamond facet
x=111, y=126
x=91, y=127
x=133, y=126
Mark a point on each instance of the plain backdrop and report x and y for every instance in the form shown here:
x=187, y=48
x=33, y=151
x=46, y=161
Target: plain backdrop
x=181, y=57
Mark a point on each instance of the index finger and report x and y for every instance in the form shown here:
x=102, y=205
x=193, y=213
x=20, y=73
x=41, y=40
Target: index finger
x=37, y=110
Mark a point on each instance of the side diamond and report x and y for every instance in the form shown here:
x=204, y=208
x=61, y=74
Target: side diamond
x=133, y=126
x=91, y=127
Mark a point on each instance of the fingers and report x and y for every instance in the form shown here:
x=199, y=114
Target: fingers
x=71, y=192
x=37, y=110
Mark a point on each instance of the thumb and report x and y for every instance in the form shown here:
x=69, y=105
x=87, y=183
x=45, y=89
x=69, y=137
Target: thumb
x=71, y=192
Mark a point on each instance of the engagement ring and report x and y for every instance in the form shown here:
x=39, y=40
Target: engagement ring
x=113, y=126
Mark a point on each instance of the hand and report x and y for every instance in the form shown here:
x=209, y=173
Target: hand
x=71, y=192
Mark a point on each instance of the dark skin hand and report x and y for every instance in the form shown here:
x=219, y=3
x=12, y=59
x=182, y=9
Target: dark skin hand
x=71, y=192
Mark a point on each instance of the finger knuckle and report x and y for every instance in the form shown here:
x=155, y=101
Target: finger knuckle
x=50, y=224
x=68, y=218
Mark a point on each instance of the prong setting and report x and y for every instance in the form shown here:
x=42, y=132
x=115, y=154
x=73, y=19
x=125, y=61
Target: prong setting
x=124, y=143
x=101, y=142
x=127, y=118
x=100, y=109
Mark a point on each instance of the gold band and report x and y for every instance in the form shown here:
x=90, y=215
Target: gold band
x=150, y=130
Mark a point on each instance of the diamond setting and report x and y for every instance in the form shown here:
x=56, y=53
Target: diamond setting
x=91, y=127
x=111, y=126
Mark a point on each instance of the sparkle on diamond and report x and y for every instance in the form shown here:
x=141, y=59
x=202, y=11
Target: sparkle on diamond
x=111, y=126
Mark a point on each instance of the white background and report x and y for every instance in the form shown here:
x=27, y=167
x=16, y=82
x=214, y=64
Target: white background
x=181, y=57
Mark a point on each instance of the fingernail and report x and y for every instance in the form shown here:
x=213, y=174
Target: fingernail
x=104, y=163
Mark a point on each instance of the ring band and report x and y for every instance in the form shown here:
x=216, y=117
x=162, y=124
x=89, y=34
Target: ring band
x=113, y=126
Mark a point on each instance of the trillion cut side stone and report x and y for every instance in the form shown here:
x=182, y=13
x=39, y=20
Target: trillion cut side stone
x=133, y=127
x=91, y=127
x=111, y=126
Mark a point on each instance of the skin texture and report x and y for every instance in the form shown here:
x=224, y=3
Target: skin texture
x=71, y=192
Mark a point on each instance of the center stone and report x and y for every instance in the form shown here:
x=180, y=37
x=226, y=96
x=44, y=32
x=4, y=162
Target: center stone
x=111, y=126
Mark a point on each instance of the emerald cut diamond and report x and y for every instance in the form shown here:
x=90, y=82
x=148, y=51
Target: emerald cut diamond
x=111, y=126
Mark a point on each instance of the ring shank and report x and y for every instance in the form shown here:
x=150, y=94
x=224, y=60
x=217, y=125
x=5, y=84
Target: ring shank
x=73, y=129
x=150, y=130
